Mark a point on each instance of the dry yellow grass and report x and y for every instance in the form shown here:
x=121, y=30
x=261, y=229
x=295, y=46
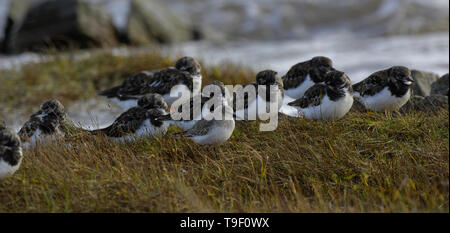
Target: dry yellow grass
x=362, y=163
x=71, y=79
x=365, y=162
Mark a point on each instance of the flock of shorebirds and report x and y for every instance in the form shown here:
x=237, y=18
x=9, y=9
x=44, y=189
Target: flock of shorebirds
x=320, y=92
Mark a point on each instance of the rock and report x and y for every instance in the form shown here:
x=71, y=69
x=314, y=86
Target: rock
x=431, y=103
x=17, y=10
x=440, y=87
x=422, y=82
x=4, y=8
x=293, y=19
x=71, y=23
x=151, y=21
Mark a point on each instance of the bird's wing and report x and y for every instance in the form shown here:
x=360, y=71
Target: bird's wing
x=163, y=81
x=312, y=97
x=200, y=128
x=30, y=126
x=132, y=86
x=371, y=85
x=128, y=122
x=296, y=75
x=28, y=129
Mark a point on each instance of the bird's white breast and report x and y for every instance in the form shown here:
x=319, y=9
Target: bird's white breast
x=384, y=100
x=40, y=137
x=299, y=91
x=216, y=135
x=8, y=170
x=329, y=110
x=147, y=129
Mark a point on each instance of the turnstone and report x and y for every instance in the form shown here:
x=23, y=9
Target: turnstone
x=305, y=74
x=139, y=121
x=327, y=101
x=247, y=106
x=186, y=75
x=199, y=105
x=214, y=131
x=385, y=90
x=10, y=152
x=48, y=122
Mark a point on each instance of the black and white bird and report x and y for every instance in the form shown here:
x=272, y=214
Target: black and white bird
x=327, y=101
x=246, y=105
x=185, y=76
x=305, y=74
x=214, y=131
x=385, y=90
x=139, y=121
x=46, y=124
x=10, y=151
x=199, y=105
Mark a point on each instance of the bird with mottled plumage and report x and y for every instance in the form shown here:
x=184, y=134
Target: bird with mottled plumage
x=385, y=90
x=139, y=121
x=305, y=74
x=214, y=131
x=327, y=101
x=259, y=104
x=185, y=76
x=49, y=122
x=199, y=106
x=10, y=151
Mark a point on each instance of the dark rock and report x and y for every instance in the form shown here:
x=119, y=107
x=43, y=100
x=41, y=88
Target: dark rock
x=63, y=24
x=431, y=103
x=440, y=87
x=151, y=21
x=422, y=82
x=16, y=13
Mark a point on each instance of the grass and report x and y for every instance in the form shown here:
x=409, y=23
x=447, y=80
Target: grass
x=70, y=79
x=365, y=162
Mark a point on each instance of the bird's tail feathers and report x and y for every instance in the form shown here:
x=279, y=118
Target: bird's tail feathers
x=112, y=92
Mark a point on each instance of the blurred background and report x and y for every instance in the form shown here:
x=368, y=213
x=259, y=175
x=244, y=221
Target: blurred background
x=361, y=36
